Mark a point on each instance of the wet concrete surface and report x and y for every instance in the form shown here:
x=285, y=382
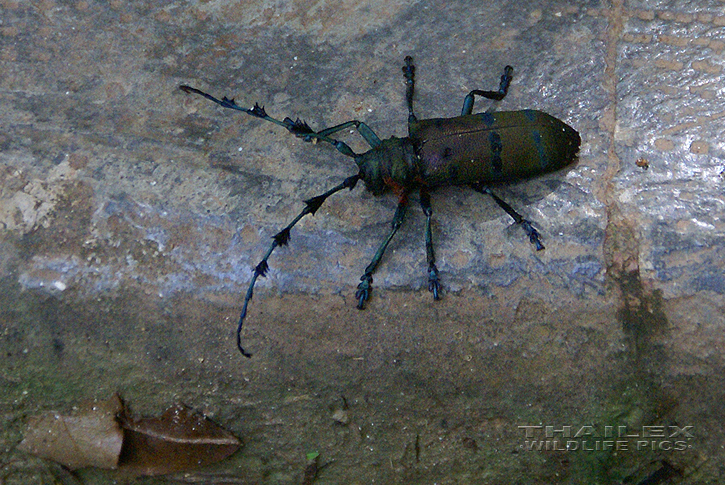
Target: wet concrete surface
x=132, y=214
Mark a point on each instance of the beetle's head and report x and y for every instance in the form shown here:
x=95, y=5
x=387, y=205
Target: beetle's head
x=393, y=163
x=371, y=171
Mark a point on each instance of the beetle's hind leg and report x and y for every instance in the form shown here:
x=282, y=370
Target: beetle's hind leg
x=434, y=285
x=534, y=236
x=503, y=88
x=366, y=280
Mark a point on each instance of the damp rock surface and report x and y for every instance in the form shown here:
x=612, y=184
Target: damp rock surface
x=132, y=215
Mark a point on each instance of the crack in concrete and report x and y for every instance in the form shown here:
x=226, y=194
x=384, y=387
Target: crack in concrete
x=641, y=312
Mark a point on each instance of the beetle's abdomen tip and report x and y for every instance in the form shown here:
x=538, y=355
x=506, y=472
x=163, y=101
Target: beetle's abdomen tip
x=574, y=143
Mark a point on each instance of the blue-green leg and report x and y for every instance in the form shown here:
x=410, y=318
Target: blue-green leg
x=518, y=219
x=434, y=285
x=366, y=280
x=281, y=239
x=409, y=73
x=503, y=88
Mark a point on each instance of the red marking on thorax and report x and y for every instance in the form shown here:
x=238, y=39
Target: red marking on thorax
x=400, y=190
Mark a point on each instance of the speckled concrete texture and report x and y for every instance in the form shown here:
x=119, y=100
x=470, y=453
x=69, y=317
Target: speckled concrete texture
x=132, y=214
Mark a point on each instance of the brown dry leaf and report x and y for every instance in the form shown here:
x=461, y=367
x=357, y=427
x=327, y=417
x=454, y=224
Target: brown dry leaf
x=104, y=435
x=179, y=439
x=89, y=437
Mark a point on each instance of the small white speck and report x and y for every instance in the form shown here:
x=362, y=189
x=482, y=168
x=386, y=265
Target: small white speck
x=239, y=149
x=59, y=285
x=702, y=224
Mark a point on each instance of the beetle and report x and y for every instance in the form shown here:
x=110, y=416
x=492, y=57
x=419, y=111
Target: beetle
x=477, y=150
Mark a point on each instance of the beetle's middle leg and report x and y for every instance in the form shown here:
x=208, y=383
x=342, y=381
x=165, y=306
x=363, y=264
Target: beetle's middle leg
x=534, y=236
x=503, y=88
x=366, y=280
x=434, y=285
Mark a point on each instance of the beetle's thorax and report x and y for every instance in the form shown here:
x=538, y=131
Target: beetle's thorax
x=390, y=165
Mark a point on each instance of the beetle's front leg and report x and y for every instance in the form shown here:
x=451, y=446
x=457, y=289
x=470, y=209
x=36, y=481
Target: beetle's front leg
x=409, y=73
x=534, y=236
x=434, y=285
x=366, y=280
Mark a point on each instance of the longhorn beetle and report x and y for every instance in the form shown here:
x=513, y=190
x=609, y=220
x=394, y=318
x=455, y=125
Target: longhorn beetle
x=477, y=150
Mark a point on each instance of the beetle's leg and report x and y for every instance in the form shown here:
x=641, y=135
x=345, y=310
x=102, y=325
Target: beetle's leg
x=366, y=280
x=409, y=73
x=434, y=285
x=297, y=127
x=281, y=239
x=364, y=130
x=518, y=219
x=503, y=88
